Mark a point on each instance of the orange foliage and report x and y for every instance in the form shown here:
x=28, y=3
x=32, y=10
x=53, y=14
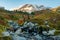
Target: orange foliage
x=7, y=17
x=20, y=21
x=2, y=22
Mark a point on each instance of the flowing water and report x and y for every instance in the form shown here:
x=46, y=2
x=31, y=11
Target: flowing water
x=18, y=35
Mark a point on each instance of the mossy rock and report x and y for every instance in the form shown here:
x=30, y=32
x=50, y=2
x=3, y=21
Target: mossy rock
x=57, y=32
x=5, y=38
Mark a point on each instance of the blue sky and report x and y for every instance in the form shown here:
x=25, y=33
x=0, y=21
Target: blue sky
x=8, y=4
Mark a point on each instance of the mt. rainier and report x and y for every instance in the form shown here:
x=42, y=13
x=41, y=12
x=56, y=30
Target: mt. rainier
x=29, y=8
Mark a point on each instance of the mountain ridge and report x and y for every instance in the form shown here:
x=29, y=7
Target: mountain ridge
x=29, y=8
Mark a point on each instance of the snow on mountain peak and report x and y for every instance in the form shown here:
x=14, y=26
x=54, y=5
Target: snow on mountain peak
x=29, y=8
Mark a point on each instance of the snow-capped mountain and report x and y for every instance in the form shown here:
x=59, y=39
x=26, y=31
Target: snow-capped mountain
x=29, y=8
